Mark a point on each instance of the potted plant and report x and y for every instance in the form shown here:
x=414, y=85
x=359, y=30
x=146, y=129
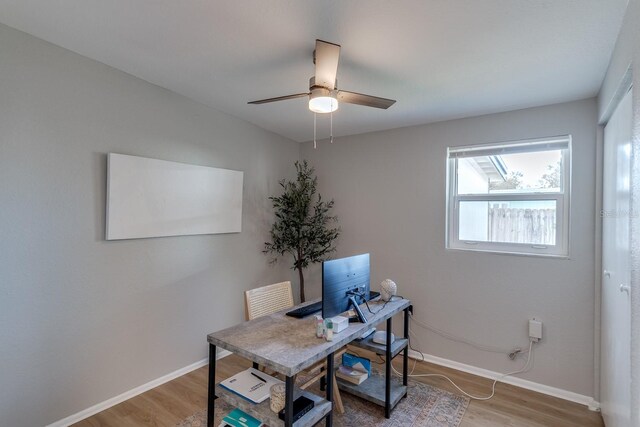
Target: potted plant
x=303, y=225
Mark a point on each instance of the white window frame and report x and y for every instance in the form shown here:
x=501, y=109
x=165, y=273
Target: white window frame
x=562, y=198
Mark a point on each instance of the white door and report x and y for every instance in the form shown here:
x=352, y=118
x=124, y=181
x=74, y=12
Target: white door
x=615, y=392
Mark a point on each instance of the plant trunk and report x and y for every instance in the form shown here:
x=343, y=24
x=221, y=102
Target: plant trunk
x=302, y=299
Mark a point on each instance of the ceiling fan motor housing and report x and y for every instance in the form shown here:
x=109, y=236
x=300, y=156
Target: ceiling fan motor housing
x=313, y=85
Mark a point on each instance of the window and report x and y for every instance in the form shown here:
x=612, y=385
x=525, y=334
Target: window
x=510, y=197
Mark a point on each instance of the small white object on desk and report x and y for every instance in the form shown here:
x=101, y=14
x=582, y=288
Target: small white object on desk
x=328, y=330
x=340, y=323
x=319, y=327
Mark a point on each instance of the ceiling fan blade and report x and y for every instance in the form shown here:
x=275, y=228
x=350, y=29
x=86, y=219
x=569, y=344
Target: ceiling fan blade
x=326, y=58
x=366, y=100
x=279, y=98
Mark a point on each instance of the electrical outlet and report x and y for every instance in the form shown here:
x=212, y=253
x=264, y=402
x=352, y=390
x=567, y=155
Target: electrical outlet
x=535, y=329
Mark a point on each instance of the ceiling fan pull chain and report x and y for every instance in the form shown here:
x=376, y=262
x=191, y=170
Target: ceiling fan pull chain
x=331, y=131
x=314, y=131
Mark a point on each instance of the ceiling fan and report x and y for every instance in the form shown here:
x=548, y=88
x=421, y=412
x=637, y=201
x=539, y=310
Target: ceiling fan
x=323, y=94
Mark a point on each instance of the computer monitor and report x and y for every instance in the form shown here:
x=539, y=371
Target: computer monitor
x=342, y=280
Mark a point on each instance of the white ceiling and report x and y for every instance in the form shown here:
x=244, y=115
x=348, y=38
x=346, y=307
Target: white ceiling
x=440, y=59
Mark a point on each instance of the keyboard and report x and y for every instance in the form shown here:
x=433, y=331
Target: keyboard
x=316, y=307
x=305, y=311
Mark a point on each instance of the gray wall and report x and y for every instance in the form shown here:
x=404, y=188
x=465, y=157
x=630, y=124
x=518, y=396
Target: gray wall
x=389, y=189
x=627, y=53
x=81, y=319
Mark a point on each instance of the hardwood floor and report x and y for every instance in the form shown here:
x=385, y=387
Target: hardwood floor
x=512, y=406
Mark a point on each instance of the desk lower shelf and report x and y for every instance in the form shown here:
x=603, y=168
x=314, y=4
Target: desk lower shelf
x=373, y=389
x=263, y=412
x=367, y=343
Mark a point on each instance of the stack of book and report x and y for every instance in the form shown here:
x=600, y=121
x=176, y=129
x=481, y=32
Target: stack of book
x=351, y=375
x=239, y=418
x=354, y=369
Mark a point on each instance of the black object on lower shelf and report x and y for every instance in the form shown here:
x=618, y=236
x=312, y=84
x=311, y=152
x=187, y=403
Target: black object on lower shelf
x=301, y=406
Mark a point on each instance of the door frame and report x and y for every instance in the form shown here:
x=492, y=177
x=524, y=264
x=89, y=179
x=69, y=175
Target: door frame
x=625, y=85
x=625, y=90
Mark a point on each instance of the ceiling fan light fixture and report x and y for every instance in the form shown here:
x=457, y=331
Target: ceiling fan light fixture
x=322, y=100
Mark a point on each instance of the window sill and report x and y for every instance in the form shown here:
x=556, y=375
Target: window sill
x=522, y=254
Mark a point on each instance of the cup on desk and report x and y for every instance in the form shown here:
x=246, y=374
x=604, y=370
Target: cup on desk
x=277, y=397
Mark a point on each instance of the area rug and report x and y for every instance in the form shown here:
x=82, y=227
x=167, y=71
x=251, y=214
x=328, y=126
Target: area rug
x=424, y=406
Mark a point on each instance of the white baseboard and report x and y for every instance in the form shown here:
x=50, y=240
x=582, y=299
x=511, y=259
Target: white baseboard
x=519, y=382
x=86, y=413
x=485, y=373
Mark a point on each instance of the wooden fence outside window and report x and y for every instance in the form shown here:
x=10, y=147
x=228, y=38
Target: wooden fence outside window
x=517, y=225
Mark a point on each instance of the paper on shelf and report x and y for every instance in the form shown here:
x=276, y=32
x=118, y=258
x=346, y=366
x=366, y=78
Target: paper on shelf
x=248, y=386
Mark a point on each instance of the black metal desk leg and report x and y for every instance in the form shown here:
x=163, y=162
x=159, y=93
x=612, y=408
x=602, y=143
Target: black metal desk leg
x=330, y=373
x=288, y=402
x=387, y=378
x=211, y=397
x=405, y=356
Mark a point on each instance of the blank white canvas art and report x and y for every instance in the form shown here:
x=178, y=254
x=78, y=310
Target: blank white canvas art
x=156, y=198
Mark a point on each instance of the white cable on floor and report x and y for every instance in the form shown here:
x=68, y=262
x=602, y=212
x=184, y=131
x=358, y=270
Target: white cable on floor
x=493, y=386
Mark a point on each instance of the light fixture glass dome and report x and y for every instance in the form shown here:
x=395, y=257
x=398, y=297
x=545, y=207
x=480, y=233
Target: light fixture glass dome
x=322, y=101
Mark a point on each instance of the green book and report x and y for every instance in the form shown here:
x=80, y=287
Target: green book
x=239, y=418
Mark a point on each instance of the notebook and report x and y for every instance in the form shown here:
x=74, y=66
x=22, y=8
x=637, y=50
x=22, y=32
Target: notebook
x=239, y=418
x=251, y=384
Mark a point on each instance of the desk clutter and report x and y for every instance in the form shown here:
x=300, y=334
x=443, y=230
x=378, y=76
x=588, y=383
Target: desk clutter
x=256, y=387
x=354, y=369
x=325, y=328
x=238, y=418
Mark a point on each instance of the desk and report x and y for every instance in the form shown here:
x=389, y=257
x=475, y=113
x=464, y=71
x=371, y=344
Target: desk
x=288, y=346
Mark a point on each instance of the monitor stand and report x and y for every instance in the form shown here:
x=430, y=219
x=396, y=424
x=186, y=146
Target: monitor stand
x=356, y=307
